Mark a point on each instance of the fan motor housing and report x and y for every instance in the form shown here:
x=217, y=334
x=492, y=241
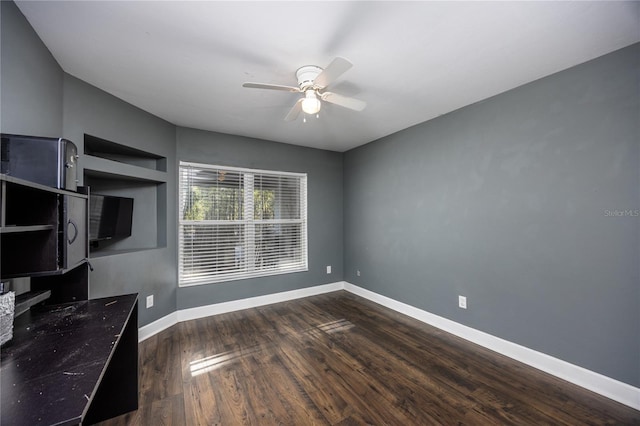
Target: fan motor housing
x=306, y=75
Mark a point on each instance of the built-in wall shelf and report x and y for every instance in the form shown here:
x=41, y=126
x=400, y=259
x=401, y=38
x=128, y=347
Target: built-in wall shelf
x=106, y=168
x=114, y=169
x=98, y=147
x=103, y=253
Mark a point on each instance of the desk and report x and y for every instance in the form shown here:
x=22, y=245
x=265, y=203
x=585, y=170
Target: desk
x=75, y=363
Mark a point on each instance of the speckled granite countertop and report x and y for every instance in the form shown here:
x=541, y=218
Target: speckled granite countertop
x=58, y=355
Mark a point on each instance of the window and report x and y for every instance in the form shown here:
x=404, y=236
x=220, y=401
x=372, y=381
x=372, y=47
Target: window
x=240, y=223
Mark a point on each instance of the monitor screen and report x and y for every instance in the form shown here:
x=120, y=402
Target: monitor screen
x=109, y=217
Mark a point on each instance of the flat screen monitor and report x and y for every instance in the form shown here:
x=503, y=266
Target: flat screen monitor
x=109, y=217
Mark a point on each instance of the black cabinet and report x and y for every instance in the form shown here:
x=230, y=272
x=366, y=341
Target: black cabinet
x=44, y=230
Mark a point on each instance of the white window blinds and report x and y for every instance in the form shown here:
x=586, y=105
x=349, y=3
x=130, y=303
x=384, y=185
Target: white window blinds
x=240, y=223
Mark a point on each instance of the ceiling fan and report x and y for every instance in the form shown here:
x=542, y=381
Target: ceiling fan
x=312, y=81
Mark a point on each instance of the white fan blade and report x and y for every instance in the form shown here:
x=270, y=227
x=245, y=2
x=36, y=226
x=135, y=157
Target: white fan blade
x=295, y=111
x=343, y=101
x=271, y=87
x=334, y=70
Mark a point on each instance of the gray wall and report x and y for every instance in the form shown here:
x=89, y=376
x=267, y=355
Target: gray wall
x=88, y=110
x=324, y=181
x=506, y=202
x=31, y=79
x=30, y=87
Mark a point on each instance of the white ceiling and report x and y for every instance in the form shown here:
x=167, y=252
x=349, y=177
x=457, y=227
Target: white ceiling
x=186, y=61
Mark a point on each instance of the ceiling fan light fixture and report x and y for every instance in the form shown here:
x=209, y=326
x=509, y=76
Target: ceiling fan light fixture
x=310, y=103
x=312, y=81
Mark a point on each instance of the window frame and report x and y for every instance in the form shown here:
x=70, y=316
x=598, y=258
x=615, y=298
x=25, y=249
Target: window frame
x=248, y=223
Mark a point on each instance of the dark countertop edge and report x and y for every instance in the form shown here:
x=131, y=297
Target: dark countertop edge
x=115, y=346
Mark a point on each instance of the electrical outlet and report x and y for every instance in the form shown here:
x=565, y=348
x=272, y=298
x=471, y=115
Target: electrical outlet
x=358, y=272
x=328, y=269
x=149, y=301
x=462, y=302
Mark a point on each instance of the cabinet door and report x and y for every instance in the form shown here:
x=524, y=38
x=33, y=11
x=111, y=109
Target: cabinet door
x=75, y=231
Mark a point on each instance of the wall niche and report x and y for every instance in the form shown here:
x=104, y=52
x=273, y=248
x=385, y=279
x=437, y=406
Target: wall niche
x=114, y=169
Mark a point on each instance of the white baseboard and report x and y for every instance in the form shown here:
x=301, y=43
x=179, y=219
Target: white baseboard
x=252, y=302
x=157, y=326
x=603, y=385
x=235, y=305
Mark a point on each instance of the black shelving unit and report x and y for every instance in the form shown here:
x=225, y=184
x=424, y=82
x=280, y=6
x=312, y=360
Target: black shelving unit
x=43, y=234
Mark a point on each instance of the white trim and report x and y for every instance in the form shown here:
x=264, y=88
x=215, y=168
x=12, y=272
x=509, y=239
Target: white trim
x=235, y=305
x=603, y=385
x=157, y=326
x=252, y=302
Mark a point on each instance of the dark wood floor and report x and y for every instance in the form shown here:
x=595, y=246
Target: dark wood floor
x=338, y=359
